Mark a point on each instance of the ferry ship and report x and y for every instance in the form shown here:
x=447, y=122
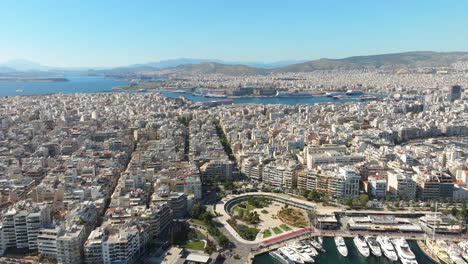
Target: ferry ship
x=295, y=94
x=332, y=94
x=341, y=246
x=213, y=95
x=374, y=246
x=280, y=257
x=404, y=252
x=354, y=92
x=387, y=248
x=361, y=245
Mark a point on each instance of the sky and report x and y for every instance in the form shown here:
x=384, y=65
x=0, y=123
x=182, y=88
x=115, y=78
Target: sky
x=100, y=33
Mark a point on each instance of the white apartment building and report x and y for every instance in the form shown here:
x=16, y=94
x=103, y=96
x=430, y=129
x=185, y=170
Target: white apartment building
x=401, y=183
x=377, y=186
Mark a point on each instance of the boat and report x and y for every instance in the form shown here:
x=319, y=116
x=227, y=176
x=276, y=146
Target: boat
x=341, y=97
x=142, y=90
x=455, y=255
x=320, y=240
x=213, y=95
x=280, y=257
x=290, y=254
x=374, y=246
x=341, y=246
x=354, y=92
x=311, y=251
x=404, y=252
x=317, y=245
x=331, y=94
x=19, y=90
x=368, y=98
x=303, y=251
x=361, y=245
x=294, y=94
x=387, y=248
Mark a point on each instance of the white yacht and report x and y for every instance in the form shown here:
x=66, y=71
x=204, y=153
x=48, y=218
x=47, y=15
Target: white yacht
x=404, y=252
x=361, y=245
x=309, y=250
x=290, y=254
x=374, y=246
x=303, y=251
x=280, y=257
x=387, y=248
x=341, y=246
x=317, y=245
x=455, y=254
x=320, y=240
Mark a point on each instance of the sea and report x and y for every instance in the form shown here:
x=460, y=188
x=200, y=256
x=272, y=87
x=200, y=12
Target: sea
x=332, y=256
x=268, y=100
x=76, y=84
x=101, y=84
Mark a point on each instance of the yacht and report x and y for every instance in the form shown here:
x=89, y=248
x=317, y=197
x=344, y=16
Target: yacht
x=317, y=245
x=320, y=240
x=311, y=251
x=387, y=248
x=303, y=251
x=290, y=254
x=374, y=246
x=280, y=257
x=455, y=254
x=404, y=252
x=341, y=246
x=361, y=245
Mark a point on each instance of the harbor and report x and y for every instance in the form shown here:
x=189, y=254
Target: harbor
x=331, y=251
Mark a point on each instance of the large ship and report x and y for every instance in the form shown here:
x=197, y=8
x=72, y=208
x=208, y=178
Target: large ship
x=404, y=252
x=332, y=94
x=361, y=245
x=213, y=95
x=387, y=248
x=293, y=95
x=374, y=246
x=354, y=92
x=341, y=246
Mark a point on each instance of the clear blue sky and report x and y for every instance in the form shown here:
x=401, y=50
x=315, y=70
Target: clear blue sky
x=112, y=33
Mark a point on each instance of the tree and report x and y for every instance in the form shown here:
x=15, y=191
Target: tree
x=197, y=210
x=363, y=199
x=223, y=241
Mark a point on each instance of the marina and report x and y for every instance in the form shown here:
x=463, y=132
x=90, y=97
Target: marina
x=331, y=255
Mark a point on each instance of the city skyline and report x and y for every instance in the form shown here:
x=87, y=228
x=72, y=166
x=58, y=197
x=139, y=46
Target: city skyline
x=87, y=34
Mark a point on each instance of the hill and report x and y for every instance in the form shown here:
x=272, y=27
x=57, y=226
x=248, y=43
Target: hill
x=384, y=61
x=214, y=68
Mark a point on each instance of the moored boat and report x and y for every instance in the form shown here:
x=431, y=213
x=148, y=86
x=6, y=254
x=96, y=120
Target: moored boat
x=404, y=252
x=290, y=254
x=387, y=248
x=361, y=245
x=317, y=245
x=280, y=257
x=341, y=246
x=374, y=246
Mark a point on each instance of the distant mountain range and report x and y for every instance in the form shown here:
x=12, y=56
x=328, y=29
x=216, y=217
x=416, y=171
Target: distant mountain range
x=207, y=66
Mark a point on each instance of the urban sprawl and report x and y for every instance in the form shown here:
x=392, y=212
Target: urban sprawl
x=128, y=177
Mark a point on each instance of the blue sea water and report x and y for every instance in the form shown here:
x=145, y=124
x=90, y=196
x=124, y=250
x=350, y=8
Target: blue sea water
x=77, y=84
x=266, y=100
x=332, y=256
